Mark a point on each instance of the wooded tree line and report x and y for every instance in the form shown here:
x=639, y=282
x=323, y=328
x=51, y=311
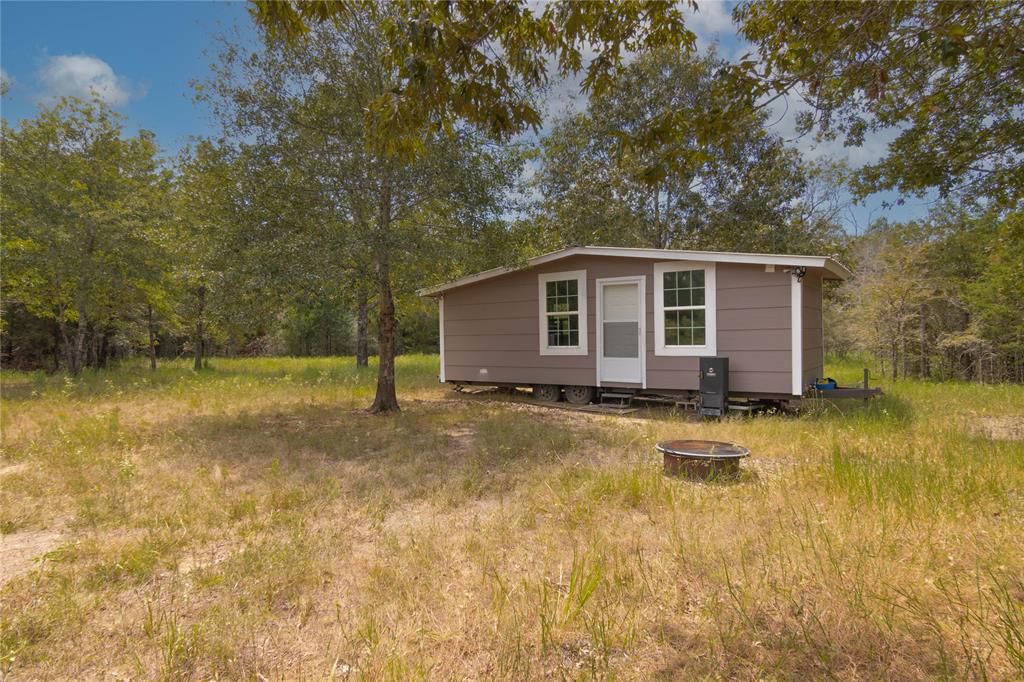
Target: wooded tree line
x=368, y=149
x=937, y=298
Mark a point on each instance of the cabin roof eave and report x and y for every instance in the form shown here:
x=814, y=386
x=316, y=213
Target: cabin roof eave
x=832, y=268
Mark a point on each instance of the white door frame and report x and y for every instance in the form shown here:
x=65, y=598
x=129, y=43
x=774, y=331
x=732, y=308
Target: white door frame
x=641, y=282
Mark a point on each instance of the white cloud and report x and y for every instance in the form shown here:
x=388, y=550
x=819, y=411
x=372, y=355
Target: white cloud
x=712, y=22
x=81, y=75
x=563, y=98
x=710, y=18
x=713, y=25
x=782, y=121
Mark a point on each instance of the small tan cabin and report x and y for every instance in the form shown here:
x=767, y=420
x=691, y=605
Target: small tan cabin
x=639, y=319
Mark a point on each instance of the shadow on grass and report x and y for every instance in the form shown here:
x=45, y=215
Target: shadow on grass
x=638, y=410
x=24, y=386
x=19, y=390
x=885, y=409
x=446, y=454
x=413, y=372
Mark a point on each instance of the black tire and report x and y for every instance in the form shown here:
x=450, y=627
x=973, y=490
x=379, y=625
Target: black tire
x=580, y=395
x=547, y=393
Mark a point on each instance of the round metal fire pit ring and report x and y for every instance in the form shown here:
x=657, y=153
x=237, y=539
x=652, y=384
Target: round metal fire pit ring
x=702, y=459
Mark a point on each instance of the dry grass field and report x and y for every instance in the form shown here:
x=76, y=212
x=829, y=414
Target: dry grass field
x=251, y=521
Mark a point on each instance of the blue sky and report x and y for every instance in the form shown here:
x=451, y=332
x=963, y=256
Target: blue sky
x=141, y=57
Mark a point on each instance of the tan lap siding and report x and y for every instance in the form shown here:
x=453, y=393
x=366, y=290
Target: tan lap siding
x=753, y=332
x=814, y=352
x=491, y=334
x=493, y=326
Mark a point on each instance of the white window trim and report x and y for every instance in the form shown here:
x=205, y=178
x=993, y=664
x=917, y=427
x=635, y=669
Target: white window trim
x=581, y=290
x=710, y=306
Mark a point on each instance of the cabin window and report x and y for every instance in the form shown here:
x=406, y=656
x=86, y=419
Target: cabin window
x=563, y=313
x=684, y=300
x=683, y=308
x=563, y=310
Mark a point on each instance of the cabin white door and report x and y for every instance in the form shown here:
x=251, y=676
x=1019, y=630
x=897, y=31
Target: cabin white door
x=620, y=330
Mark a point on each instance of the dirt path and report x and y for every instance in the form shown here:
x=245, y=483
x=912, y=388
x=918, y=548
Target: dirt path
x=560, y=411
x=13, y=469
x=1010, y=427
x=19, y=551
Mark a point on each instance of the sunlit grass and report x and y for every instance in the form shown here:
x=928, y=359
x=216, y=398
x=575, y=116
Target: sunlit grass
x=253, y=520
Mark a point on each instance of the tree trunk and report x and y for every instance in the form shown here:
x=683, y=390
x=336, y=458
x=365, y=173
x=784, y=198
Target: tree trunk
x=926, y=370
x=92, y=349
x=385, y=401
x=152, y=339
x=104, y=350
x=362, y=329
x=76, y=356
x=62, y=327
x=197, y=348
x=197, y=338
x=56, y=346
x=659, y=236
x=966, y=359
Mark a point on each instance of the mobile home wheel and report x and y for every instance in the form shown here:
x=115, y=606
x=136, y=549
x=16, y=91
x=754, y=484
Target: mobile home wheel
x=579, y=395
x=547, y=393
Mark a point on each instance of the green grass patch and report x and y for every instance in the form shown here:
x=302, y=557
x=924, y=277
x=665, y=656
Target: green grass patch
x=253, y=520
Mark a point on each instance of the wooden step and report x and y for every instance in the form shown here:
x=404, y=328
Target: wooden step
x=624, y=399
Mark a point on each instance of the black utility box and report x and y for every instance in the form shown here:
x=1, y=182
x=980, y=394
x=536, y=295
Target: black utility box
x=714, y=386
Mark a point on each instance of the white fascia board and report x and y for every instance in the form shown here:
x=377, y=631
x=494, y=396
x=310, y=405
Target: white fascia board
x=478, y=277
x=714, y=256
x=497, y=272
x=840, y=271
x=834, y=268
